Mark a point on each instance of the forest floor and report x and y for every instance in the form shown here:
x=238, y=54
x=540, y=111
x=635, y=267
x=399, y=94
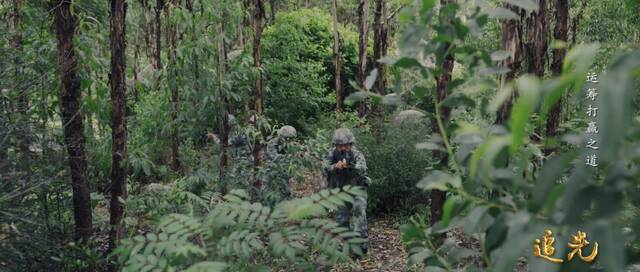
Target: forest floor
x=386, y=253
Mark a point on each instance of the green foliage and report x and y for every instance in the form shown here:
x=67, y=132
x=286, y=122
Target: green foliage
x=298, y=65
x=242, y=236
x=395, y=165
x=560, y=193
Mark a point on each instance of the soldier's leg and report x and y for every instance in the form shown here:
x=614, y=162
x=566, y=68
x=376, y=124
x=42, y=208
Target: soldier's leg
x=360, y=219
x=343, y=214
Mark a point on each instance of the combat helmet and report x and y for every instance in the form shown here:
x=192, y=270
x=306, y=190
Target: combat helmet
x=343, y=136
x=287, y=132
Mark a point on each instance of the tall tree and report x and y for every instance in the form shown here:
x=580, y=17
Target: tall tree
x=336, y=56
x=117, y=80
x=172, y=77
x=65, y=25
x=222, y=70
x=363, y=29
x=536, y=45
x=157, y=60
x=438, y=197
x=560, y=33
x=512, y=43
x=258, y=17
x=22, y=104
x=380, y=45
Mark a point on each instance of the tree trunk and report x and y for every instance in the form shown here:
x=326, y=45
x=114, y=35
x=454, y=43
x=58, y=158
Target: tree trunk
x=22, y=104
x=438, y=197
x=536, y=45
x=157, y=60
x=336, y=56
x=511, y=42
x=71, y=115
x=258, y=16
x=172, y=76
x=246, y=20
x=148, y=30
x=363, y=28
x=560, y=34
x=380, y=45
x=224, y=126
x=117, y=80
x=576, y=22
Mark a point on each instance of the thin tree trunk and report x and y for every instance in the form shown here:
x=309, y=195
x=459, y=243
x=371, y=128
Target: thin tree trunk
x=576, y=22
x=246, y=20
x=363, y=29
x=117, y=80
x=22, y=104
x=71, y=115
x=148, y=31
x=536, y=46
x=157, y=60
x=172, y=70
x=380, y=44
x=258, y=16
x=336, y=56
x=559, y=34
x=511, y=42
x=438, y=197
x=224, y=126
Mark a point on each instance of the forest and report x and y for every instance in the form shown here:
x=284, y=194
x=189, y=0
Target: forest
x=320, y=135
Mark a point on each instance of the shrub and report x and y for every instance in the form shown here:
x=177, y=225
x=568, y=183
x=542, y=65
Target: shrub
x=395, y=165
x=298, y=65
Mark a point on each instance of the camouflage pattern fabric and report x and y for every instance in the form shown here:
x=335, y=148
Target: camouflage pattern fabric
x=353, y=215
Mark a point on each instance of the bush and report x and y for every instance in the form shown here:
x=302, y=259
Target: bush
x=298, y=65
x=395, y=165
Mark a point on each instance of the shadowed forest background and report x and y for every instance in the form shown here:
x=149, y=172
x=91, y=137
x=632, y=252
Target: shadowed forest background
x=134, y=134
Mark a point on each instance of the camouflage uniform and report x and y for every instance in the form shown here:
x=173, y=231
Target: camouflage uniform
x=277, y=179
x=354, y=215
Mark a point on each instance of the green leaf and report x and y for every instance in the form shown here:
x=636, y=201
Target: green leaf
x=549, y=175
x=439, y=180
x=371, y=78
x=427, y=5
x=528, y=90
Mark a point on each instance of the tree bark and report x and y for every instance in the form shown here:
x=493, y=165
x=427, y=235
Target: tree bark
x=258, y=16
x=117, y=80
x=559, y=34
x=438, y=198
x=224, y=124
x=22, y=104
x=336, y=56
x=363, y=29
x=380, y=31
x=576, y=22
x=246, y=20
x=536, y=45
x=149, y=38
x=511, y=42
x=172, y=76
x=71, y=115
x=157, y=59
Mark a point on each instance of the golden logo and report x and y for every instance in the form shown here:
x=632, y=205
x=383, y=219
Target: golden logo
x=544, y=248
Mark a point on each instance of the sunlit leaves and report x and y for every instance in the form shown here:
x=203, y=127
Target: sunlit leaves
x=526, y=104
x=439, y=180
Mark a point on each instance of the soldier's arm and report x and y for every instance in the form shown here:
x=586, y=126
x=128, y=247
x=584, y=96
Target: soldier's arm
x=327, y=167
x=360, y=163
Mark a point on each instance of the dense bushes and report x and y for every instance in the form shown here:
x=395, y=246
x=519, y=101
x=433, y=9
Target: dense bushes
x=395, y=165
x=298, y=65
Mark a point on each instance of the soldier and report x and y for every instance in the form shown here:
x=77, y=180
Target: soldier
x=345, y=165
x=277, y=179
x=277, y=146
